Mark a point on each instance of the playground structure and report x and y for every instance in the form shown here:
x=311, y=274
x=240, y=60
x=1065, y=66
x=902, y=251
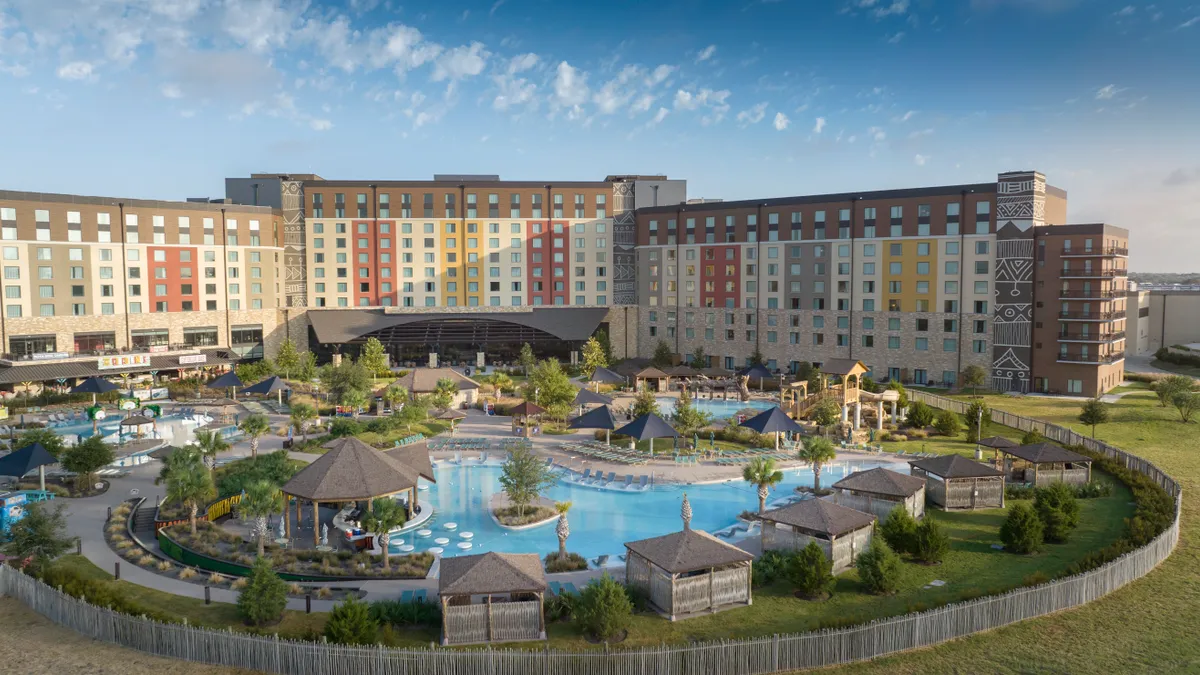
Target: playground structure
x=841, y=382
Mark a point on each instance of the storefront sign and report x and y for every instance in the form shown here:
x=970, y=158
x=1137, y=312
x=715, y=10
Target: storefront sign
x=123, y=361
x=48, y=356
x=154, y=349
x=155, y=394
x=193, y=359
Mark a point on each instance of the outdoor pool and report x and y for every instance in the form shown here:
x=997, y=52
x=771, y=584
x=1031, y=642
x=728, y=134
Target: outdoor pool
x=601, y=520
x=174, y=429
x=721, y=410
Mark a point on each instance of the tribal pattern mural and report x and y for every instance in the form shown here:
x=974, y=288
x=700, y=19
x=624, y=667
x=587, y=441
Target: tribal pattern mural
x=1021, y=205
x=624, y=241
x=295, y=273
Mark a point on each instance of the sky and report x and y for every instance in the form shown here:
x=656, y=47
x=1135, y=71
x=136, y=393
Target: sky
x=163, y=99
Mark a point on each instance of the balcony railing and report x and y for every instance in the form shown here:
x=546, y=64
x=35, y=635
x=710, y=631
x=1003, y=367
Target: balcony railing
x=1079, y=357
x=1091, y=316
x=1111, y=251
x=1091, y=337
x=1098, y=294
x=1084, y=273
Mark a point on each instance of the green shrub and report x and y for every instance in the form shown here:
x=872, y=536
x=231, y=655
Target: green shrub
x=560, y=606
x=236, y=476
x=263, y=600
x=573, y=563
x=1058, y=510
x=1022, y=530
x=344, y=426
x=97, y=592
x=1032, y=436
x=879, y=567
x=769, y=567
x=604, y=609
x=397, y=613
x=920, y=415
x=899, y=530
x=931, y=543
x=1035, y=579
x=350, y=623
x=1018, y=492
x=811, y=571
x=947, y=423
x=1093, y=490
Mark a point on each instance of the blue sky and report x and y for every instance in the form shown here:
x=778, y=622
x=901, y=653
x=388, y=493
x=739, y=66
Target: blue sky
x=164, y=98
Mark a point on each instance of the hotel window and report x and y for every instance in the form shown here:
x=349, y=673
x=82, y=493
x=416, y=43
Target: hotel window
x=601, y=204
x=979, y=346
x=951, y=267
x=983, y=212
x=981, y=287
x=981, y=267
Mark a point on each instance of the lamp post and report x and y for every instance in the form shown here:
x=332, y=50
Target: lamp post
x=536, y=392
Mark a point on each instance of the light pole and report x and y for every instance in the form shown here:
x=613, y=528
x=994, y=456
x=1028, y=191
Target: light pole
x=536, y=391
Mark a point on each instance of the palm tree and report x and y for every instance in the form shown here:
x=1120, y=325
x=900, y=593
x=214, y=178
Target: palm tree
x=394, y=397
x=262, y=499
x=356, y=401
x=761, y=472
x=563, y=530
x=386, y=514
x=211, y=444
x=817, y=450
x=255, y=427
x=188, y=481
x=302, y=414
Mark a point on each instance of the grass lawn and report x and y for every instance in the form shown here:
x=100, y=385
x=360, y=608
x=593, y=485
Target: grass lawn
x=1180, y=369
x=1148, y=626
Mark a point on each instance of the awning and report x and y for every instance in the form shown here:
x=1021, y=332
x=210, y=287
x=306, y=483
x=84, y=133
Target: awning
x=48, y=371
x=573, y=324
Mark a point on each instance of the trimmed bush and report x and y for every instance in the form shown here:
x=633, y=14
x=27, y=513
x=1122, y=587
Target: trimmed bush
x=350, y=623
x=1018, y=492
x=947, y=423
x=99, y=593
x=1058, y=510
x=573, y=563
x=811, y=572
x=920, y=415
x=930, y=543
x=899, y=530
x=1022, y=531
x=560, y=606
x=879, y=567
x=1032, y=436
x=416, y=613
x=604, y=609
x=769, y=567
x=264, y=598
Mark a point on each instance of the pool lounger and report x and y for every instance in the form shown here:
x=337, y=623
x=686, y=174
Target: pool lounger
x=644, y=482
x=600, y=561
x=587, y=473
x=628, y=480
x=612, y=475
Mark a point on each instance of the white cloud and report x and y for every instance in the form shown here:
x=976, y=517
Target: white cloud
x=921, y=132
x=906, y=116
x=75, y=70
x=781, y=121
x=1127, y=10
x=714, y=101
x=895, y=39
x=752, y=115
x=617, y=92
x=259, y=24
x=659, y=75
x=570, y=87
x=877, y=133
x=521, y=63
x=706, y=53
x=172, y=91
x=895, y=8
x=642, y=104
x=320, y=125
x=495, y=6
x=1107, y=92
x=660, y=116
x=920, y=160
x=1190, y=22
x=460, y=63
x=401, y=46
x=819, y=126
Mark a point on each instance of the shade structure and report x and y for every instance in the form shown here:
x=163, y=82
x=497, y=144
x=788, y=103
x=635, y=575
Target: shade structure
x=452, y=414
x=351, y=470
x=164, y=452
x=229, y=379
x=758, y=370
x=525, y=409
x=28, y=458
x=997, y=442
x=773, y=420
x=94, y=385
x=606, y=376
x=270, y=385
x=588, y=397
x=136, y=421
x=649, y=426
x=683, y=371
x=597, y=418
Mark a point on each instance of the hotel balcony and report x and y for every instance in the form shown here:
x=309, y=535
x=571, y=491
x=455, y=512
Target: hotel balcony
x=1090, y=358
x=1078, y=336
x=1095, y=294
x=1091, y=316
x=1110, y=252
x=1084, y=273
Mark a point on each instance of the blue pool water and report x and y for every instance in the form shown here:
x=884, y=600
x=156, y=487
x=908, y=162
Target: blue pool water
x=172, y=428
x=719, y=409
x=601, y=520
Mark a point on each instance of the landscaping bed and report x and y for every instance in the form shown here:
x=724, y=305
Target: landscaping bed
x=507, y=516
x=66, y=488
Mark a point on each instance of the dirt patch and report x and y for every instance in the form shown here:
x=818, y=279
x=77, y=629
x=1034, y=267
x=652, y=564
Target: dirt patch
x=31, y=644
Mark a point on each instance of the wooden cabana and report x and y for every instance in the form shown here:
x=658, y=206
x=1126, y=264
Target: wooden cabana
x=688, y=572
x=352, y=471
x=661, y=381
x=840, y=531
x=879, y=491
x=955, y=482
x=1043, y=463
x=492, y=597
x=520, y=418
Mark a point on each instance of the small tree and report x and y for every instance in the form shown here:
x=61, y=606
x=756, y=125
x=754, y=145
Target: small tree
x=947, y=423
x=413, y=412
x=699, y=358
x=973, y=376
x=1167, y=387
x=40, y=537
x=688, y=418
x=563, y=529
x=444, y=392
x=920, y=415
x=356, y=400
x=211, y=444
x=385, y=515
x=524, y=477
x=86, y=457
x=593, y=356
x=52, y=442
x=394, y=397
x=757, y=358
x=503, y=383
x=645, y=403
x=1022, y=530
x=1187, y=403
x=898, y=387
x=302, y=415
x=1058, y=510
x=899, y=530
x=350, y=623
x=826, y=413
x=344, y=377
x=526, y=358
x=373, y=357
x=1093, y=412
x=817, y=451
x=1032, y=436
x=603, y=610
x=930, y=542
x=811, y=572
x=188, y=481
x=663, y=356
x=264, y=598
x=977, y=412
x=605, y=344
x=262, y=499
x=761, y=473
x=307, y=369
x=549, y=385
x=879, y=567
x=255, y=427
x=287, y=359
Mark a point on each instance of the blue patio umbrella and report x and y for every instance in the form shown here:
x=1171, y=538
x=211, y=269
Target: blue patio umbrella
x=649, y=426
x=273, y=384
x=93, y=386
x=28, y=458
x=229, y=380
x=757, y=370
x=587, y=397
x=773, y=420
x=597, y=418
x=603, y=375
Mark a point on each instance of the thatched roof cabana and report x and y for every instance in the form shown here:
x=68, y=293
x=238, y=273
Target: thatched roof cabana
x=519, y=577
x=955, y=482
x=661, y=380
x=878, y=491
x=1044, y=463
x=840, y=531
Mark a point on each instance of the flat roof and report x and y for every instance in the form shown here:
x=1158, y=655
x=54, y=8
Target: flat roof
x=939, y=191
x=55, y=197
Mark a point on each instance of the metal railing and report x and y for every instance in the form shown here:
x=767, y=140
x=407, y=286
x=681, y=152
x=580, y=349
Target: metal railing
x=1073, y=294
x=1085, y=273
x=1080, y=357
x=1106, y=252
x=1092, y=316
x=1092, y=337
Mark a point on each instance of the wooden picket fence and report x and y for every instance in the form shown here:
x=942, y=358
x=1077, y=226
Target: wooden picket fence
x=752, y=656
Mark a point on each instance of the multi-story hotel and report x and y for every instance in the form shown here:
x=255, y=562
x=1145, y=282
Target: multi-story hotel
x=917, y=284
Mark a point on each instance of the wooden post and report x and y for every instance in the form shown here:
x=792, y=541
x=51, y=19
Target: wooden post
x=489, y=617
x=445, y=606
x=712, y=606
x=542, y=614
x=316, y=523
x=287, y=519
x=308, y=603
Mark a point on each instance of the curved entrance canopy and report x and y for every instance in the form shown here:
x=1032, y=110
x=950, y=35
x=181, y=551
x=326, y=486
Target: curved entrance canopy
x=537, y=325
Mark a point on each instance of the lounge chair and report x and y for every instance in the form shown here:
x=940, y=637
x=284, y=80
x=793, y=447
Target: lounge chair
x=628, y=480
x=612, y=475
x=587, y=473
x=600, y=561
x=644, y=482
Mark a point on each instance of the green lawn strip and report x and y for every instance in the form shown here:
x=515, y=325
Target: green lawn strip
x=1148, y=626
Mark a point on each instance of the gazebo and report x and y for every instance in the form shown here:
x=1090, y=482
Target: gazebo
x=688, y=572
x=757, y=370
x=775, y=421
x=840, y=531
x=683, y=371
x=649, y=426
x=136, y=425
x=597, y=418
x=878, y=491
x=519, y=580
x=272, y=385
x=955, y=482
x=995, y=443
x=1044, y=463
x=22, y=461
x=351, y=471
x=520, y=418
x=662, y=381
